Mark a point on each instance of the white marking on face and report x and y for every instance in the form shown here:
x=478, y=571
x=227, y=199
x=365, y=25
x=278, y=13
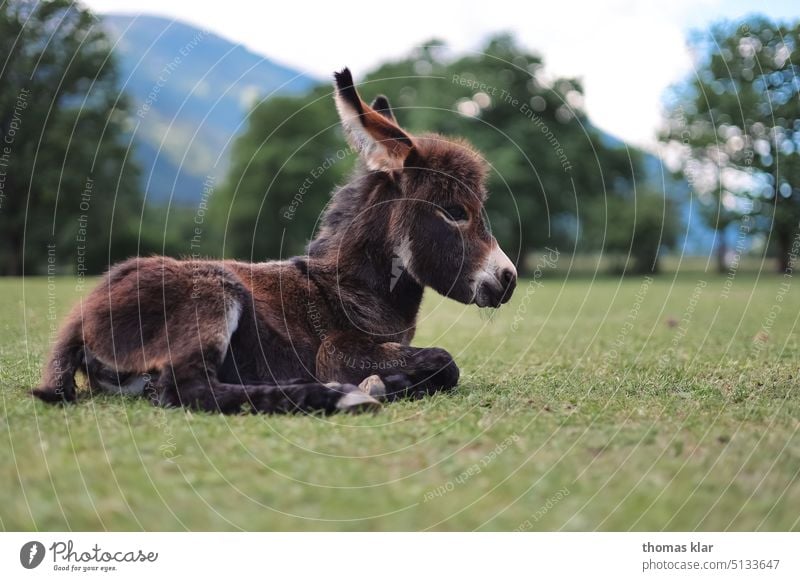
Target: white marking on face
x=489, y=273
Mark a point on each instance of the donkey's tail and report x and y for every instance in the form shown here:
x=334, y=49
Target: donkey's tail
x=58, y=379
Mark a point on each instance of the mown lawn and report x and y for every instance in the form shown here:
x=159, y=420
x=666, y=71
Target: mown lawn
x=584, y=404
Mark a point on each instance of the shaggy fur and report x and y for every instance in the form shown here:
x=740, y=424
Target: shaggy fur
x=299, y=335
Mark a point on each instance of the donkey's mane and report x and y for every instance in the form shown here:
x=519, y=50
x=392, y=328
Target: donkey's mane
x=341, y=217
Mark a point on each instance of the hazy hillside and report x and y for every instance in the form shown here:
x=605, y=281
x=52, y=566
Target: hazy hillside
x=191, y=91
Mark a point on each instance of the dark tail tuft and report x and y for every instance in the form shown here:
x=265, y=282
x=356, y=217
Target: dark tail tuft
x=50, y=395
x=58, y=378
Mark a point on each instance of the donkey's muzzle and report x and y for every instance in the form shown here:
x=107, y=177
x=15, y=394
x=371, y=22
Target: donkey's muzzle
x=496, y=281
x=497, y=290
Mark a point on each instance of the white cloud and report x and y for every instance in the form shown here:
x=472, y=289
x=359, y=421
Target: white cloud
x=626, y=51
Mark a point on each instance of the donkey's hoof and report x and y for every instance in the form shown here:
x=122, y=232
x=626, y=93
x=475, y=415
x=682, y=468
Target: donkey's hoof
x=374, y=386
x=357, y=402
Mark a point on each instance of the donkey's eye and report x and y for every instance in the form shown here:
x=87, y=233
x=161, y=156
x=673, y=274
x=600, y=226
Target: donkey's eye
x=455, y=213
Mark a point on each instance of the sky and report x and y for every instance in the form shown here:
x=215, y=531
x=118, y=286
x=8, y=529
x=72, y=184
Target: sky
x=626, y=52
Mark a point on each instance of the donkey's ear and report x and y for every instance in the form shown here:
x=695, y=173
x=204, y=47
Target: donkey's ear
x=379, y=140
x=381, y=105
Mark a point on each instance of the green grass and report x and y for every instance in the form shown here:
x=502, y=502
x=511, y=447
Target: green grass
x=598, y=409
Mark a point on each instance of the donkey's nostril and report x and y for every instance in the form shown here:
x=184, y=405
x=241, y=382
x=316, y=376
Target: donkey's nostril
x=508, y=281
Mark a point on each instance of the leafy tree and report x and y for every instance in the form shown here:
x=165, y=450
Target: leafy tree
x=283, y=171
x=736, y=128
x=65, y=175
x=638, y=229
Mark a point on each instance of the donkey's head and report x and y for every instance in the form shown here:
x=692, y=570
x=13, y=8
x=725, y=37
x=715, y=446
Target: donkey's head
x=433, y=196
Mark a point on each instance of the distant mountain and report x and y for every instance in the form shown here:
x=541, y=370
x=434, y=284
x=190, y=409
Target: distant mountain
x=191, y=91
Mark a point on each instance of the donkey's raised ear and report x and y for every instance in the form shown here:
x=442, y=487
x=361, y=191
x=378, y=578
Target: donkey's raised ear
x=377, y=138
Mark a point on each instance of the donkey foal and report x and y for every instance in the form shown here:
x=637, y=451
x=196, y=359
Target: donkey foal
x=300, y=335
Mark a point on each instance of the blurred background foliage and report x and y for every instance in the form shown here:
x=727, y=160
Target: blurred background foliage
x=74, y=110
x=63, y=141
x=735, y=130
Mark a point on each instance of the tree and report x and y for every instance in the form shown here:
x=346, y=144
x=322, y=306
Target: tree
x=66, y=181
x=736, y=128
x=283, y=170
x=638, y=230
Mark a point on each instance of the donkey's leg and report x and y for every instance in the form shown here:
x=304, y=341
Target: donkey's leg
x=292, y=398
x=406, y=371
x=432, y=369
x=208, y=394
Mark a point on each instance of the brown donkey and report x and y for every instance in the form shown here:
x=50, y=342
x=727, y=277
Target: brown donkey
x=299, y=335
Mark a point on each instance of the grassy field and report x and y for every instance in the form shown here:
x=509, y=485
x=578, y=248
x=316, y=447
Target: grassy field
x=584, y=404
